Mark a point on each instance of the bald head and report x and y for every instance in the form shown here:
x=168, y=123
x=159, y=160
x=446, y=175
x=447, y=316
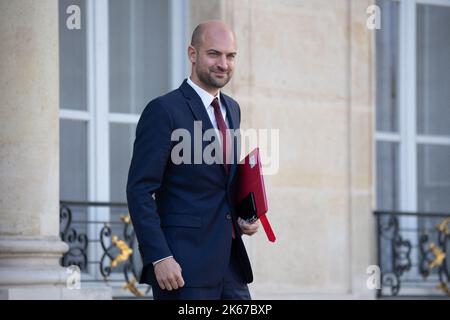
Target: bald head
x=212, y=51
x=212, y=28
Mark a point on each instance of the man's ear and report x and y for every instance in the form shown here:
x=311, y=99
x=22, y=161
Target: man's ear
x=192, y=54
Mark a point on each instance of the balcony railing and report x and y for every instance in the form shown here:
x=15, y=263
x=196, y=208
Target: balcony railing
x=413, y=253
x=103, y=245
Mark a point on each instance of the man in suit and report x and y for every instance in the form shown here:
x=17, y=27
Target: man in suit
x=183, y=213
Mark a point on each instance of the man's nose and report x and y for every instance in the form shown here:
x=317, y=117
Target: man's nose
x=222, y=63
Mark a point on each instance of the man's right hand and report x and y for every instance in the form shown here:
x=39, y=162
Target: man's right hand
x=168, y=274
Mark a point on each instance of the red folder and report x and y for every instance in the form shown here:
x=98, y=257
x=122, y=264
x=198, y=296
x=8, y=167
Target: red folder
x=251, y=194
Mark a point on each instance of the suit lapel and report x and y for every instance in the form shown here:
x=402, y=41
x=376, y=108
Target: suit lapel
x=196, y=106
x=198, y=109
x=232, y=122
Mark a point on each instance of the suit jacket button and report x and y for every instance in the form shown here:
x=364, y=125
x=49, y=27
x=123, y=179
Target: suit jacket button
x=228, y=216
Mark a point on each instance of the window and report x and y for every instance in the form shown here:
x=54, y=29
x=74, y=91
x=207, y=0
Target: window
x=433, y=107
x=413, y=106
x=126, y=53
x=413, y=120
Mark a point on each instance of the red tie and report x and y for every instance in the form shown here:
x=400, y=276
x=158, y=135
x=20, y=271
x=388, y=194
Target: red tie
x=223, y=133
x=225, y=142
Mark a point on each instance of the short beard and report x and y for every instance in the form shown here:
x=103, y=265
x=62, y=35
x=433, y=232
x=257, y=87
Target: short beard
x=206, y=78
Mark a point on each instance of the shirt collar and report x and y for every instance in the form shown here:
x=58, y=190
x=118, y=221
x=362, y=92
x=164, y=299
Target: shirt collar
x=206, y=97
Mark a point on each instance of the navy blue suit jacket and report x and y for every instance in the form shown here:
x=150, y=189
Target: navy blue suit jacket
x=191, y=213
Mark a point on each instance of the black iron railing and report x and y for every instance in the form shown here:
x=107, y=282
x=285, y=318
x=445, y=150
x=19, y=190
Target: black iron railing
x=413, y=251
x=103, y=245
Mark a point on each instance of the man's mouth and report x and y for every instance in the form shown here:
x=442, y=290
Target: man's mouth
x=222, y=74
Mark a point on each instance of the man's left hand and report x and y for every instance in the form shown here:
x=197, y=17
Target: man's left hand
x=248, y=228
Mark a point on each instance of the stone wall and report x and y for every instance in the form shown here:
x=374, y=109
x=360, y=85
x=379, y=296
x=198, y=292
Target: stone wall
x=306, y=68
